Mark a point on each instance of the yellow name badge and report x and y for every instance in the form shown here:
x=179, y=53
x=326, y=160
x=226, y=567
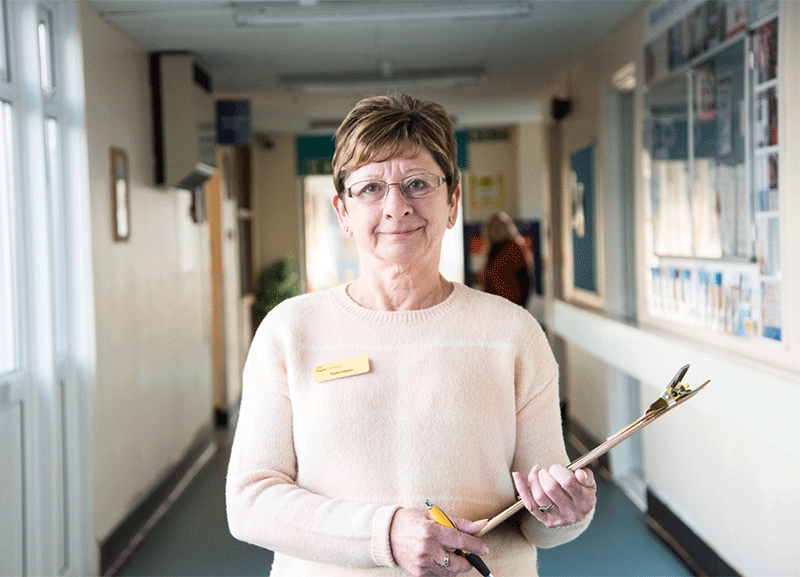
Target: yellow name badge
x=341, y=369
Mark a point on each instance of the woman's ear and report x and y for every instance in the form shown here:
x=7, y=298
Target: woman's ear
x=341, y=213
x=453, y=211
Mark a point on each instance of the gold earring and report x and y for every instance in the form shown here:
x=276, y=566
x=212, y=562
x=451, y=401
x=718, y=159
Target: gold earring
x=452, y=220
x=347, y=229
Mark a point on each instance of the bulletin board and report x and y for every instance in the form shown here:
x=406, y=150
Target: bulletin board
x=712, y=167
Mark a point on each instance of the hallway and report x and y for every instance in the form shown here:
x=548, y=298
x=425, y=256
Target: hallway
x=192, y=538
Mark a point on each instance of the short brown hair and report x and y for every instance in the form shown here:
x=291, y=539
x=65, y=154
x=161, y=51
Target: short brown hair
x=381, y=127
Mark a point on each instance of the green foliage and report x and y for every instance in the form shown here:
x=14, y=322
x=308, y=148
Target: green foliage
x=277, y=282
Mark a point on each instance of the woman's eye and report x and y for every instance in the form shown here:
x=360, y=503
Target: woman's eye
x=417, y=185
x=367, y=189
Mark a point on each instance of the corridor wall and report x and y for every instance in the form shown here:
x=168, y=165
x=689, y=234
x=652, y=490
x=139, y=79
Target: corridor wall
x=152, y=396
x=726, y=464
x=276, y=202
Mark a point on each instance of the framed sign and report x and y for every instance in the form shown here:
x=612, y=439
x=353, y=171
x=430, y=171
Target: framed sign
x=486, y=190
x=120, y=195
x=581, y=189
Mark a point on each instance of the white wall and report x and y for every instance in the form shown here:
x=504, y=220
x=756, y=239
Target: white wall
x=727, y=462
x=153, y=380
x=531, y=161
x=492, y=157
x=276, y=202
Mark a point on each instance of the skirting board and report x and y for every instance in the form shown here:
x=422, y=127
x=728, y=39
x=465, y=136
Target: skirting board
x=701, y=559
x=116, y=548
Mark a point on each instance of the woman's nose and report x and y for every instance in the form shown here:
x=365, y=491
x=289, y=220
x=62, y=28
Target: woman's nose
x=395, y=203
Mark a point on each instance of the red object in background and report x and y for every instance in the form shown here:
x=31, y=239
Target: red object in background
x=477, y=245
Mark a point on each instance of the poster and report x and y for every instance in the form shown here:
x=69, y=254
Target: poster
x=727, y=191
x=768, y=245
x=705, y=203
x=486, y=190
x=743, y=213
x=737, y=16
x=771, y=310
x=765, y=182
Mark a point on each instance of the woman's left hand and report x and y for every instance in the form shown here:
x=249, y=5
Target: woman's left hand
x=572, y=495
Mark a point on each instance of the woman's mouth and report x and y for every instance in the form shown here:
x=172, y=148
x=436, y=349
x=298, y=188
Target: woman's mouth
x=400, y=233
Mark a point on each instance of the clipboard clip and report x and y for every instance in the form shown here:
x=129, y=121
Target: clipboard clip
x=676, y=393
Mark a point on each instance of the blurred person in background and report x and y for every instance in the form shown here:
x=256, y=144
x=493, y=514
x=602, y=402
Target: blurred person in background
x=507, y=270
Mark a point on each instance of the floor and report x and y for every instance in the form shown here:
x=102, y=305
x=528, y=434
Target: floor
x=192, y=538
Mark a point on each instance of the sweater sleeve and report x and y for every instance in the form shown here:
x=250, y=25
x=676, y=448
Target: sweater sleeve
x=265, y=506
x=540, y=440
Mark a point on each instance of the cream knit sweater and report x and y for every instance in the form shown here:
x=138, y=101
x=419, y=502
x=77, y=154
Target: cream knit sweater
x=458, y=395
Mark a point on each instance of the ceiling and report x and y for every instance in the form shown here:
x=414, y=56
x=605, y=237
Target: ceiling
x=251, y=61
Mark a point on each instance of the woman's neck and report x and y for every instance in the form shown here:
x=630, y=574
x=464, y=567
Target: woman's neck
x=399, y=290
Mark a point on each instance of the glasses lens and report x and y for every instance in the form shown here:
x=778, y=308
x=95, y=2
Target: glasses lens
x=419, y=185
x=368, y=190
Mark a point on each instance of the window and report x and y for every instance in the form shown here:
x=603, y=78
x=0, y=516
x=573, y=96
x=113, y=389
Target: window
x=46, y=60
x=9, y=288
x=56, y=198
x=5, y=74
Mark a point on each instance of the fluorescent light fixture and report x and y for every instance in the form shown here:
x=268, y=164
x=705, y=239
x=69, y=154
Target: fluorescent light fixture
x=624, y=79
x=284, y=13
x=325, y=83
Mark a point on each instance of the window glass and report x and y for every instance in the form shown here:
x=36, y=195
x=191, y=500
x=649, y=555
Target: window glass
x=5, y=76
x=46, y=66
x=9, y=294
x=55, y=194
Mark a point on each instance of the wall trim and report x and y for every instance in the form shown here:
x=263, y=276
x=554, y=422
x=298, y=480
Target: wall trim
x=652, y=357
x=123, y=540
x=701, y=559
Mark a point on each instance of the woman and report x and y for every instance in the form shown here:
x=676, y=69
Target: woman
x=333, y=458
x=507, y=264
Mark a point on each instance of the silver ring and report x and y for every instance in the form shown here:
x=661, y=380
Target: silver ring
x=446, y=561
x=547, y=509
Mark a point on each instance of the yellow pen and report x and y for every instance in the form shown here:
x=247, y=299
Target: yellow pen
x=442, y=519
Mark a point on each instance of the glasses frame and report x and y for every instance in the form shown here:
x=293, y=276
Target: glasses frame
x=440, y=180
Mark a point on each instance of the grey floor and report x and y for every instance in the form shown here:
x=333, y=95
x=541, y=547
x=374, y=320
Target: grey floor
x=192, y=538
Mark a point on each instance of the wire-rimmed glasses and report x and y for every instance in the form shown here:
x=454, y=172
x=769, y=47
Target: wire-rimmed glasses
x=414, y=186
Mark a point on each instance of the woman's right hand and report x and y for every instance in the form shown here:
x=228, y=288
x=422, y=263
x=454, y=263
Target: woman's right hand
x=421, y=546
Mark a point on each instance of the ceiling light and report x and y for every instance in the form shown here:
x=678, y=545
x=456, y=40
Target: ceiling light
x=279, y=13
x=324, y=83
x=624, y=79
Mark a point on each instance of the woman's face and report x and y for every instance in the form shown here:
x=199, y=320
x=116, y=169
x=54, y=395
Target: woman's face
x=396, y=230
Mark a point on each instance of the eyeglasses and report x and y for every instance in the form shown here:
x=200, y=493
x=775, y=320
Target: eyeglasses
x=414, y=186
